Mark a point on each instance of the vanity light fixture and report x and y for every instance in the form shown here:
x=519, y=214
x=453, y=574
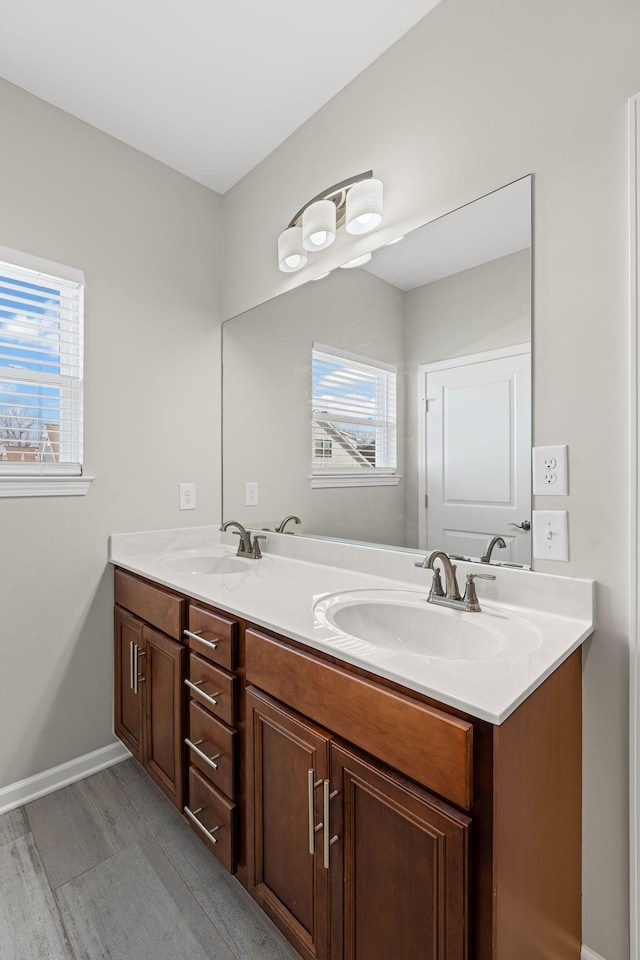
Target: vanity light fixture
x=356, y=203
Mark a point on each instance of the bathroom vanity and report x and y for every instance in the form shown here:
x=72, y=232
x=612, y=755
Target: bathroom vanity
x=376, y=804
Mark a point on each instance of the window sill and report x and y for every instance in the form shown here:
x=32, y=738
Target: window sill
x=375, y=480
x=44, y=486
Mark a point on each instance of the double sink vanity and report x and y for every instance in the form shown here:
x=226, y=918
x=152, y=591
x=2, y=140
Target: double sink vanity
x=387, y=777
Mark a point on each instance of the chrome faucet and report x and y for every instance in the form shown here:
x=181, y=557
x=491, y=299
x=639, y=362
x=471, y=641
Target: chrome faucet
x=453, y=592
x=494, y=542
x=452, y=597
x=281, y=526
x=246, y=547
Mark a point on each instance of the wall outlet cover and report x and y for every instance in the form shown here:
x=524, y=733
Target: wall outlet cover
x=251, y=493
x=187, y=496
x=550, y=471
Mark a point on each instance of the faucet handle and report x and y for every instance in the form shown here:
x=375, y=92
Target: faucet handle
x=470, y=598
x=436, y=585
x=256, y=552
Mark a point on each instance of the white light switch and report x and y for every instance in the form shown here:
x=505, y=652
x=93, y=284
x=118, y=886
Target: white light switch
x=550, y=471
x=550, y=534
x=251, y=494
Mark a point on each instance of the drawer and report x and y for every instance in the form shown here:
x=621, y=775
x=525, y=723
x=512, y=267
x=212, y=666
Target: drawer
x=216, y=636
x=212, y=816
x=217, y=742
x=159, y=608
x=426, y=744
x=213, y=688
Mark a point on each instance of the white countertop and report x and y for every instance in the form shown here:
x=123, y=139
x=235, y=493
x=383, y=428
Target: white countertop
x=545, y=618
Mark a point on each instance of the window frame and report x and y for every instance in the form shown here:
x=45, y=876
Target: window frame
x=35, y=479
x=332, y=476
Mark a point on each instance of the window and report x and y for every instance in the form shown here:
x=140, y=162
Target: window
x=41, y=375
x=353, y=427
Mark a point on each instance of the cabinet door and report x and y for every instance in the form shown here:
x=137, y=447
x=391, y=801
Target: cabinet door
x=163, y=671
x=403, y=856
x=128, y=693
x=286, y=875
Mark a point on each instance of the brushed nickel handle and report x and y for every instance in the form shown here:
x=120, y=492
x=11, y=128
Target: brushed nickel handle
x=201, y=754
x=313, y=826
x=135, y=668
x=328, y=843
x=192, y=816
x=131, y=681
x=196, y=635
x=207, y=696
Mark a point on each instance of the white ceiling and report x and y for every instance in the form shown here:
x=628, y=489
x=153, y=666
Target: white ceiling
x=207, y=87
x=491, y=227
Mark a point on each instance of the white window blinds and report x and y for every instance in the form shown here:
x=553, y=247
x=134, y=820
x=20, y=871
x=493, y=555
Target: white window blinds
x=41, y=361
x=353, y=427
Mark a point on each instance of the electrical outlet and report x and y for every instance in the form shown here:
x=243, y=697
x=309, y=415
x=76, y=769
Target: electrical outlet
x=251, y=493
x=550, y=471
x=187, y=496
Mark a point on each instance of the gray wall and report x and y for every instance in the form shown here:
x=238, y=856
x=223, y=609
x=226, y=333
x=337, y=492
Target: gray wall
x=148, y=240
x=475, y=96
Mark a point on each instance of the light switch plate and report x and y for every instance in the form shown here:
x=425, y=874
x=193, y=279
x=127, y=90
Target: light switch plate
x=550, y=534
x=550, y=470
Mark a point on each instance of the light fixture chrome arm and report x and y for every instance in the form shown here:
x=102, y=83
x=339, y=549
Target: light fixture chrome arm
x=337, y=193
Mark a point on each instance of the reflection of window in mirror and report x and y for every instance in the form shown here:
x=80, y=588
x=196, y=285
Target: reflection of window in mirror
x=353, y=425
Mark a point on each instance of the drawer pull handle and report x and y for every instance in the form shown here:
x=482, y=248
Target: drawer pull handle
x=192, y=816
x=196, y=635
x=328, y=843
x=207, y=696
x=203, y=756
x=313, y=826
x=131, y=659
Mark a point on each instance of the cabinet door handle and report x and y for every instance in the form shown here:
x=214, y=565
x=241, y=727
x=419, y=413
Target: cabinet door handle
x=313, y=826
x=207, y=696
x=201, y=754
x=328, y=843
x=208, y=833
x=131, y=659
x=135, y=668
x=196, y=635
x=136, y=677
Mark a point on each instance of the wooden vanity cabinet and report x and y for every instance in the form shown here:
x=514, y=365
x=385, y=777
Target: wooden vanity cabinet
x=351, y=860
x=450, y=838
x=149, y=676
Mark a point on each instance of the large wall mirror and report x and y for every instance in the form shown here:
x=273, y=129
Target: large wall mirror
x=390, y=402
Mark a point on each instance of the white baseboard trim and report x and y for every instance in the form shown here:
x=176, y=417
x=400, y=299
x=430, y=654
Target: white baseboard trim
x=586, y=954
x=17, y=794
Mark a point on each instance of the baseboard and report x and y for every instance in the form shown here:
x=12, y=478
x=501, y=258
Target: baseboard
x=586, y=954
x=17, y=794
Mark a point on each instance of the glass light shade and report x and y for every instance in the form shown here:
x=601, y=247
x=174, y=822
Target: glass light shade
x=319, y=225
x=357, y=262
x=291, y=254
x=364, y=206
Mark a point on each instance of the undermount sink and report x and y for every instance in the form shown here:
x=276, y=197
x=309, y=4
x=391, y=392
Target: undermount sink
x=401, y=621
x=208, y=564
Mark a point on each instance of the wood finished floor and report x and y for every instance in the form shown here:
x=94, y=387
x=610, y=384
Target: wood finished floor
x=107, y=869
